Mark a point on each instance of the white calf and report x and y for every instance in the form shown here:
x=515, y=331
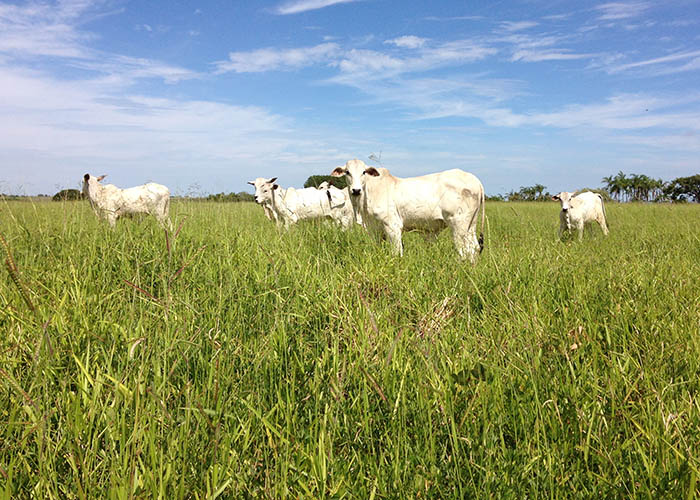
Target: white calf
x=291, y=205
x=342, y=210
x=110, y=202
x=579, y=210
x=431, y=202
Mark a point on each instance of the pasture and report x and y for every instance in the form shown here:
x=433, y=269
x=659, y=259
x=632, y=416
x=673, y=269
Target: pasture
x=233, y=360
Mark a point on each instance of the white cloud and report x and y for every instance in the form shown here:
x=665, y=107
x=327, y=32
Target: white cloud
x=627, y=112
x=299, y=6
x=408, y=42
x=271, y=59
x=621, y=10
x=517, y=26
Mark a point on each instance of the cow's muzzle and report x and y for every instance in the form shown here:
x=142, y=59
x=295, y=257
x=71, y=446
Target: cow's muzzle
x=356, y=192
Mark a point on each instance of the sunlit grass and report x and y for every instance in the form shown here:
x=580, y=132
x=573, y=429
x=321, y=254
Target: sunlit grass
x=236, y=360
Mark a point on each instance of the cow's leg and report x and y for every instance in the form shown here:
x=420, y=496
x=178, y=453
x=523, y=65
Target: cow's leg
x=580, y=226
x=392, y=231
x=603, y=225
x=112, y=219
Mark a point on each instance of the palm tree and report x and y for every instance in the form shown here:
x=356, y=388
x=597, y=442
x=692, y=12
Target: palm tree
x=610, y=185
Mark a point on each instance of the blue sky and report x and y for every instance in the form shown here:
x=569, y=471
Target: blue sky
x=203, y=96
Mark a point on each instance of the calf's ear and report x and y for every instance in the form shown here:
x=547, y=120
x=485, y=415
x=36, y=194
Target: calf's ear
x=86, y=177
x=101, y=177
x=338, y=172
x=275, y=186
x=251, y=183
x=273, y=179
x=372, y=171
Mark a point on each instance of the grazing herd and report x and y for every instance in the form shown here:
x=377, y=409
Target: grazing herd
x=378, y=201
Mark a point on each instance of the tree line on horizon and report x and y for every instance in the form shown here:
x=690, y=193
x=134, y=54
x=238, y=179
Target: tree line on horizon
x=623, y=188
x=620, y=187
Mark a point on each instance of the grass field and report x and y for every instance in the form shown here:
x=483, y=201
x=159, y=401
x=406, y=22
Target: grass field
x=236, y=361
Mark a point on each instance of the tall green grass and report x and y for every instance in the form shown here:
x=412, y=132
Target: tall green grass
x=233, y=360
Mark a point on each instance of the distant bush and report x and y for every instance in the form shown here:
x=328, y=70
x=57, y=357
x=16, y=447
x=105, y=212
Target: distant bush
x=68, y=195
x=684, y=188
x=315, y=180
x=229, y=197
x=495, y=197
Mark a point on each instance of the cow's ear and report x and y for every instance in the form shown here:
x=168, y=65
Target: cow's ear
x=272, y=180
x=251, y=183
x=101, y=177
x=275, y=186
x=372, y=171
x=338, y=172
x=555, y=197
x=86, y=177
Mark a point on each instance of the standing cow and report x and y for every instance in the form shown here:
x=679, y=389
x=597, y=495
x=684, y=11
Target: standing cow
x=260, y=184
x=430, y=202
x=579, y=210
x=110, y=202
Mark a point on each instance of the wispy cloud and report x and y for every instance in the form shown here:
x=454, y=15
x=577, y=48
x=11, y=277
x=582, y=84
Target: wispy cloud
x=692, y=64
x=373, y=64
x=531, y=55
x=38, y=29
x=53, y=32
x=621, y=10
x=511, y=26
x=540, y=47
x=454, y=18
x=272, y=59
x=299, y=6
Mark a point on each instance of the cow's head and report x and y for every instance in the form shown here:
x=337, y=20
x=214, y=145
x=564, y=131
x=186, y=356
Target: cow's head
x=91, y=181
x=356, y=174
x=565, y=199
x=264, y=189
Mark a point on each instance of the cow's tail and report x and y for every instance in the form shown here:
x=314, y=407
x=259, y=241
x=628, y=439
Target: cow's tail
x=483, y=218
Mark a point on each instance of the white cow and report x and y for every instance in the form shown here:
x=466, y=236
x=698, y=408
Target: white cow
x=261, y=184
x=431, y=202
x=291, y=205
x=110, y=202
x=579, y=210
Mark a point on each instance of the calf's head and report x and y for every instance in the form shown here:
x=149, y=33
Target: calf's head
x=565, y=199
x=263, y=189
x=356, y=174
